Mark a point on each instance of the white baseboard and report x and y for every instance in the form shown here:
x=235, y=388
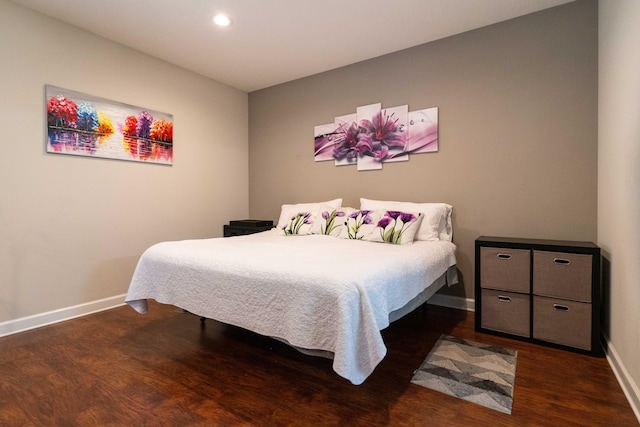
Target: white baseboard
x=452, y=302
x=628, y=385
x=37, y=320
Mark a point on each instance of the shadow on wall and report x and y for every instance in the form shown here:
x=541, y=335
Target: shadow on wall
x=457, y=290
x=605, y=301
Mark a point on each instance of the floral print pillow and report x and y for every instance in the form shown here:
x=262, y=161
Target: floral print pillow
x=299, y=224
x=331, y=221
x=358, y=224
x=386, y=226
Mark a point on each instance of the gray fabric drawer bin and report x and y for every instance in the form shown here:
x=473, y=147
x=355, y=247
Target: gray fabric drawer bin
x=562, y=275
x=505, y=268
x=562, y=322
x=506, y=312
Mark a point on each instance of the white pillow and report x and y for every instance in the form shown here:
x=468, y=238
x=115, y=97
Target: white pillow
x=288, y=211
x=436, y=224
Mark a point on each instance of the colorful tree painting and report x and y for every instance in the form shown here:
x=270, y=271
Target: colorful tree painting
x=86, y=125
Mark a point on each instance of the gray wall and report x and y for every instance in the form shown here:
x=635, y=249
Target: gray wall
x=619, y=186
x=72, y=228
x=518, y=131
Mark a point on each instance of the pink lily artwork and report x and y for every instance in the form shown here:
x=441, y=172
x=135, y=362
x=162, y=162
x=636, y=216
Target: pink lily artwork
x=374, y=135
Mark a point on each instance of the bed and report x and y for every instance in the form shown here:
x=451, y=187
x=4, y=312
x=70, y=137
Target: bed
x=320, y=293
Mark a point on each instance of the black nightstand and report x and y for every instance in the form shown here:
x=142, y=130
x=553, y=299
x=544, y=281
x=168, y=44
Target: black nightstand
x=247, y=226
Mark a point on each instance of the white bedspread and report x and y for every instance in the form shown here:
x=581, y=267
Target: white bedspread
x=315, y=292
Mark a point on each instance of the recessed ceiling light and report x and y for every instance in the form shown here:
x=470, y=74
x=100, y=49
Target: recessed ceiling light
x=222, y=20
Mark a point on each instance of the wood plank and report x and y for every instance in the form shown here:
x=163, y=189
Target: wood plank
x=121, y=368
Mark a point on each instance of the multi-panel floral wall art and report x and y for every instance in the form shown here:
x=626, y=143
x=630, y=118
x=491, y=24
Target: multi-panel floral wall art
x=85, y=125
x=374, y=135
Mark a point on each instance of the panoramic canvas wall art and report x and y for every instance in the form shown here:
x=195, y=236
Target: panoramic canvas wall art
x=374, y=135
x=85, y=125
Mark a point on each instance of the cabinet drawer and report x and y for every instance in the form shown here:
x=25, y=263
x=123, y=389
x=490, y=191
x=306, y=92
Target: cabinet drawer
x=505, y=269
x=562, y=275
x=562, y=322
x=506, y=312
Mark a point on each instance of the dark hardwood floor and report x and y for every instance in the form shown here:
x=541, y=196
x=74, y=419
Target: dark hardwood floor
x=119, y=368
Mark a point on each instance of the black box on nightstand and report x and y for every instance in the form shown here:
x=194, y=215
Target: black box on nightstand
x=251, y=223
x=247, y=226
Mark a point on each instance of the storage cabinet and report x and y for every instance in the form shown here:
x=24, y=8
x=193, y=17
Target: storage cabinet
x=543, y=291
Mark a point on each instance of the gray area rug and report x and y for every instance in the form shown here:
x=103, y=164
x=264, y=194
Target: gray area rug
x=479, y=373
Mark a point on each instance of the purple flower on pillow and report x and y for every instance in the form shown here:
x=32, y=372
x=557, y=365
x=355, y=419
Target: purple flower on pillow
x=399, y=219
x=356, y=220
x=296, y=223
x=329, y=218
x=407, y=217
x=364, y=214
x=384, y=222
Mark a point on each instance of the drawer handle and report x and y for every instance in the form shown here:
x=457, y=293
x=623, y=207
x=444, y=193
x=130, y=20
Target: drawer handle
x=561, y=261
x=502, y=298
x=504, y=256
x=560, y=307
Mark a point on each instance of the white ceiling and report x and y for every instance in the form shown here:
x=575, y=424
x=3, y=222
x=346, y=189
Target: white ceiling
x=275, y=41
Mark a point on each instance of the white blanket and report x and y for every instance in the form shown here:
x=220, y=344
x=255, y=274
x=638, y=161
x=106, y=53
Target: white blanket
x=315, y=292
